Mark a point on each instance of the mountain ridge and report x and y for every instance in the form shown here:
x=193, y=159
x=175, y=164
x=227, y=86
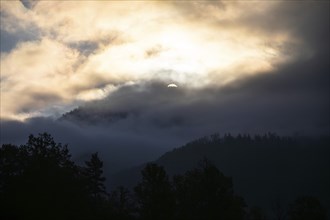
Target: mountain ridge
x=263, y=168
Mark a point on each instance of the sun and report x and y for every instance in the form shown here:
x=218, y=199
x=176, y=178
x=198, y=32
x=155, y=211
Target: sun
x=172, y=85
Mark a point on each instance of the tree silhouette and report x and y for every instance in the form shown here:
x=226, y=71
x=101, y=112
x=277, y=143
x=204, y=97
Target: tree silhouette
x=10, y=170
x=205, y=193
x=256, y=213
x=306, y=208
x=280, y=211
x=154, y=194
x=122, y=204
x=94, y=184
x=95, y=179
x=39, y=181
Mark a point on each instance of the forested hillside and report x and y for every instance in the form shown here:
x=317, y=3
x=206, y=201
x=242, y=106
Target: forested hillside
x=265, y=169
x=210, y=178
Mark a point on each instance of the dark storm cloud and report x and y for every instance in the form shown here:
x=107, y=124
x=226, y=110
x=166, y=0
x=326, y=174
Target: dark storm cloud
x=307, y=19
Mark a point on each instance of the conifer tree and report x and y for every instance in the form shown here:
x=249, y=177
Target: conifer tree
x=94, y=175
x=154, y=194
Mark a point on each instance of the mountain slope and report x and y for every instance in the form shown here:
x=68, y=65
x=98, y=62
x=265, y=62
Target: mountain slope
x=265, y=169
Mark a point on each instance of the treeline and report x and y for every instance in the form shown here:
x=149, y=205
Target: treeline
x=39, y=180
x=266, y=140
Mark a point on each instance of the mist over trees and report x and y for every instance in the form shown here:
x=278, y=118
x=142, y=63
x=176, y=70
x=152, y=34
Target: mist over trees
x=39, y=180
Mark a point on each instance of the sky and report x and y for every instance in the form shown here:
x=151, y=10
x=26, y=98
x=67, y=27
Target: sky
x=239, y=66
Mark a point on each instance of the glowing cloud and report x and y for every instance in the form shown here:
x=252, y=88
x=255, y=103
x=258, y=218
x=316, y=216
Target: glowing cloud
x=127, y=42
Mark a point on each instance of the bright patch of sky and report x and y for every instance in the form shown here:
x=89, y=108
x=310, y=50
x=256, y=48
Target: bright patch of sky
x=56, y=53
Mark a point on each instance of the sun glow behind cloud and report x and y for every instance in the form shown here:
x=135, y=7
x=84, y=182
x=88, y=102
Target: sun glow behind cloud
x=129, y=42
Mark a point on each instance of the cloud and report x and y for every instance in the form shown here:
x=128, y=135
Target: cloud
x=150, y=117
x=16, y=25
x=86, y=51
x=117, y=148
x=15, y=17
x=153, y=51
x=288, y=101
x=33, y=74
x=147, y=116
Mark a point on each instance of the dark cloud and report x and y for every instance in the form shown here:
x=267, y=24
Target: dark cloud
x=200, y=9
x=306, y=22
x=9, y=41
x=88, y=47
x=85, y=47
x=34, y=100
x=14, y=31
x=119, y=149
x=28, y=3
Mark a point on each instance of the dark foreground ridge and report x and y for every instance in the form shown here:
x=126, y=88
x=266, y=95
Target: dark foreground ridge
x=39, y=180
